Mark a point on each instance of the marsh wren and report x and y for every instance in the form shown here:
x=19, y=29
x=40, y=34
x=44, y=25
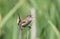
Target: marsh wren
x=25, y=22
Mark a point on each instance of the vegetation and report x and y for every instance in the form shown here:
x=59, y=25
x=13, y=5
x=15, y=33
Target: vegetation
x=47, y=18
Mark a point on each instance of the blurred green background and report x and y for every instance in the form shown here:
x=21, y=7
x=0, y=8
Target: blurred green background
x=47, y=18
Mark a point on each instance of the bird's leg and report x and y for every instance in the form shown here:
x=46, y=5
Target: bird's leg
x=29, y=27
x=20, y=32
x=21, y=28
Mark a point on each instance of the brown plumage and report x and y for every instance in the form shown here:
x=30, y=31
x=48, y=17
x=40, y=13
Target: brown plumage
x=25, y=21
x=18, y=20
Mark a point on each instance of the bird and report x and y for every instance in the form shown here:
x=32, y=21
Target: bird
x=25, y=22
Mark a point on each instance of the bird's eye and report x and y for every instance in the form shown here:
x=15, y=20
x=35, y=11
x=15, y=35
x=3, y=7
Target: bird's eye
x=23, y=21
